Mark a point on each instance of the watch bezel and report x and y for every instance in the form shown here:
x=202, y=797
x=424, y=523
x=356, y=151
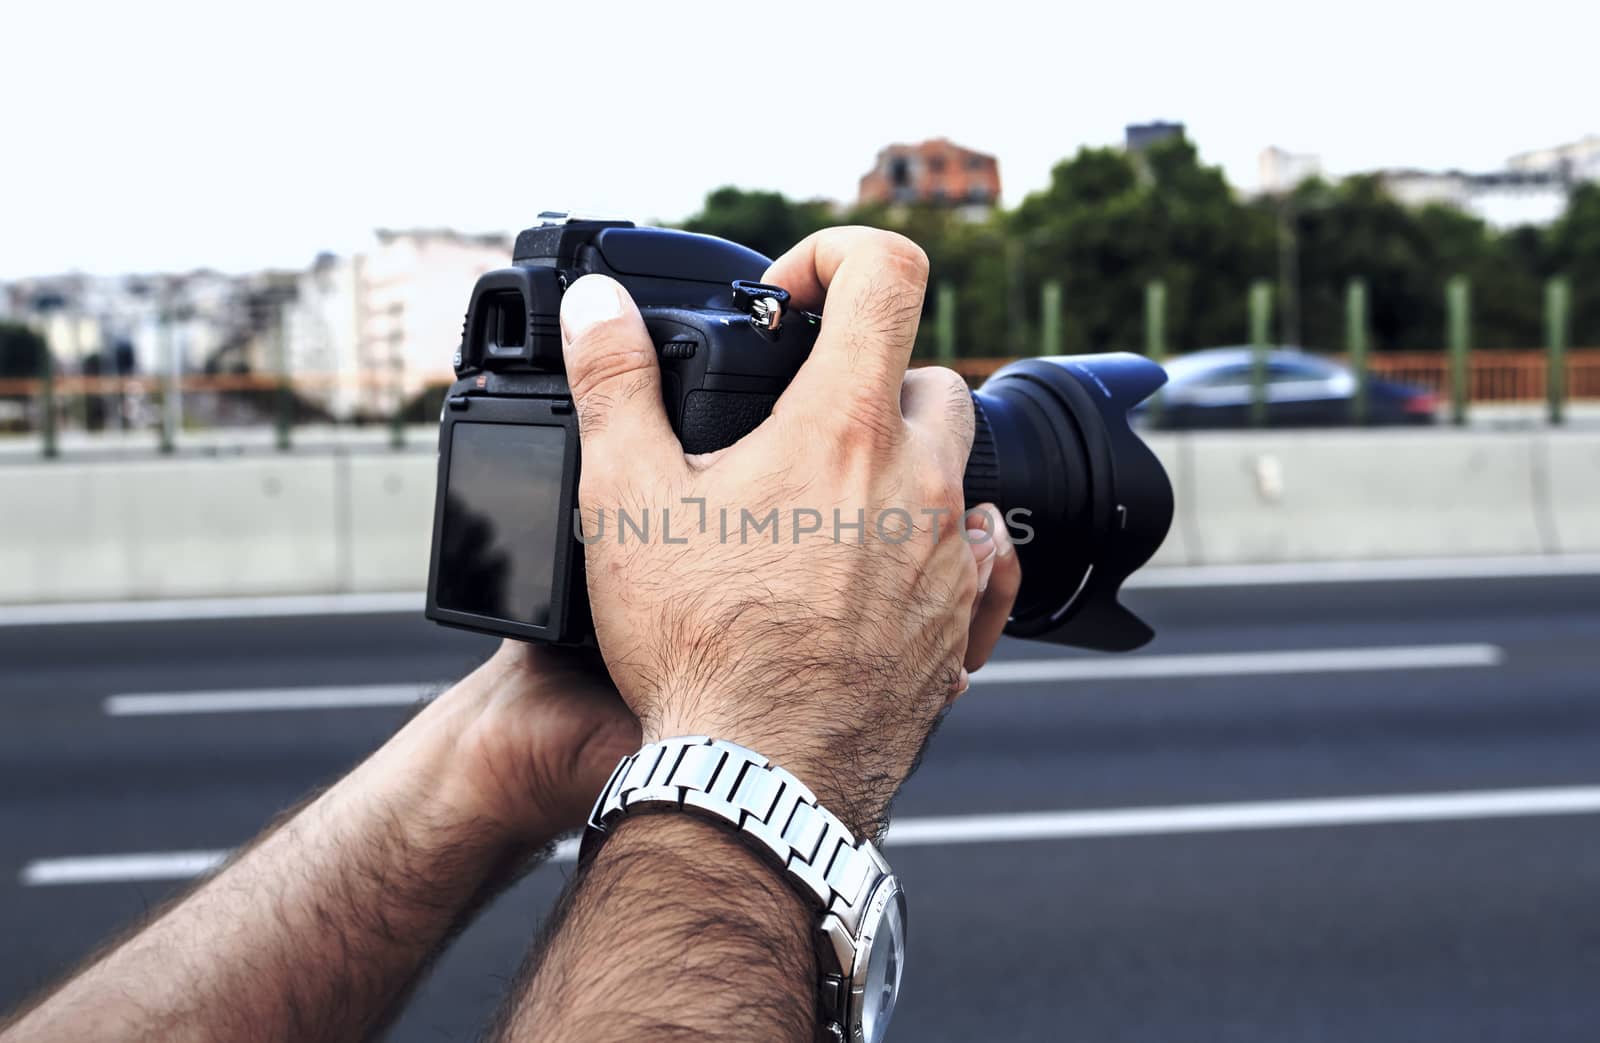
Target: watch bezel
x=873, y=918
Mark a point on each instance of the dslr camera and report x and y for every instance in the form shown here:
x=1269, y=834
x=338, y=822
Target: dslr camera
x=1088, y=500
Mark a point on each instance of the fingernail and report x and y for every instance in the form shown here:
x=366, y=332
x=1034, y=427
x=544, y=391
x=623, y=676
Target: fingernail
x=1002, y=536
x=985, y=570
x=963, y=681
x=592, y=299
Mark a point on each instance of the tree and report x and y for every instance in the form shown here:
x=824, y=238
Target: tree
x=1406, y=256
x=1356, y=230
x=1110, y=222
x=1507, y=300
x=764, y=221
x=1573, y=249
x=22, y=352
x=1087, y=230
x=967, y=256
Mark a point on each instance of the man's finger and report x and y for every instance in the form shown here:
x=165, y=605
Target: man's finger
x=936, y=401
x=999, y=582
x=869, y=285
x=614, y=377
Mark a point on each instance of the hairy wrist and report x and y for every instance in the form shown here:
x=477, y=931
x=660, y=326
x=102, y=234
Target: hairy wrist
x=815, y=696
x=442, y=753
x=854, y=774
x=675, y=930
x=404, y=813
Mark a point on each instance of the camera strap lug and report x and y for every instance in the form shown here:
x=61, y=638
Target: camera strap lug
x=764, y=304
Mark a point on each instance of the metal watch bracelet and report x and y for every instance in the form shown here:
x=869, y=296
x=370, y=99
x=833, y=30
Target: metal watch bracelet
x=831, y=869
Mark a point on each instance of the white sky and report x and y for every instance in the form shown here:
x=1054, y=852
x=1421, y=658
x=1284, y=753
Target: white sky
x=164, y=136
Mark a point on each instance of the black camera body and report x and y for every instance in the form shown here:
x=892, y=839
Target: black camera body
x=723, y=362
x=1052, y=443
x=727, y=347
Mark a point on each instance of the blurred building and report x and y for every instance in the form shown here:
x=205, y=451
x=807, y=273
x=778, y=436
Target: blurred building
x=938, y=173
x=1281, y=170
x=130, y=323
x=1139, y=136
x=1502, y=198
x=359, y=334
x=1531, y=189
x=323, y=333
x=1576, y=163
x=370, y=331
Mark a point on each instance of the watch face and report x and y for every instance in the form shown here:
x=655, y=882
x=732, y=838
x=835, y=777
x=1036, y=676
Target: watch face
x=886, y=949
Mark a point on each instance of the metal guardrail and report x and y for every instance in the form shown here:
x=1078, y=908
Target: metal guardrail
x=198, y=382
x=1510, y=375
x=170, y=406
x=1495, y=375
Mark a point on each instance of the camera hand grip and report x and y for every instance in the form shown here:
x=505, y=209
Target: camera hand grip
x=714, y=420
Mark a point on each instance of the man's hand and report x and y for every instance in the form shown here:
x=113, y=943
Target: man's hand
x=823, y=613
x=536, y=743
x=819, y=612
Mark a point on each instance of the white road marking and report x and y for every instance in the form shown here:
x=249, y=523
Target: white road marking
x=975, y=829
x=116, y=869
x=145, y=704
x=171, y=610
x=1270, y=814
x=1380, y=571
x=1158, y=578
x=1236, y=664
x=1213, y=664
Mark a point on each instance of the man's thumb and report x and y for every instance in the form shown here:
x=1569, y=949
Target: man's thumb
x=613, y=374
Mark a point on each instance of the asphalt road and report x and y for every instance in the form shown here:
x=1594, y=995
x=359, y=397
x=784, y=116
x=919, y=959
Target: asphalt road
x=1478, y=925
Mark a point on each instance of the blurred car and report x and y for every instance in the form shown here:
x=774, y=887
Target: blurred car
x=1212, y=388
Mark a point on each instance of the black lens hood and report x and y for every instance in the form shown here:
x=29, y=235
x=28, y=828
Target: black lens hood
x=1102, y=516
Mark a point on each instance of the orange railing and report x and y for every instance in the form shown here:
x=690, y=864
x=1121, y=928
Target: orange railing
x=1496, y=376
x=154, y=385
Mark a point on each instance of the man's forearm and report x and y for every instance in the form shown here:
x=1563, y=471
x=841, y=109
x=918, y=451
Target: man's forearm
x=675, y=931
x=313, y=932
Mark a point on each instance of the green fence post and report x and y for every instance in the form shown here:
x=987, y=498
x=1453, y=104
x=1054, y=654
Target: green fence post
x=1050, y=318
x=1557, y=300
x=47, y=404
x=1355, y=344
x=284, y=414
x=946, y=324
x=1458, y=304
x=1155, y=334
x=1155, y=320
x=1260, y=336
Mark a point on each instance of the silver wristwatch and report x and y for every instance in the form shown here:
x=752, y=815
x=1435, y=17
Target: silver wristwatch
x=860, y=906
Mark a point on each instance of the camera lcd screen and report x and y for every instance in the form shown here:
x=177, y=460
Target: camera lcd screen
x=501, y=521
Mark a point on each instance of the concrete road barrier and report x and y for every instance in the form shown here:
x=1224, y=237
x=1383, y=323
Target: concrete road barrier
x=359, y=520
x=1573, y=478
x=1320, y=495
x=390, y=520
x=1172, y=450
x=167, y=528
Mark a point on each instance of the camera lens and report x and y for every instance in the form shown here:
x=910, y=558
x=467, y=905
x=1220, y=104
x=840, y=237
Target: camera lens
x=1086, y=500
